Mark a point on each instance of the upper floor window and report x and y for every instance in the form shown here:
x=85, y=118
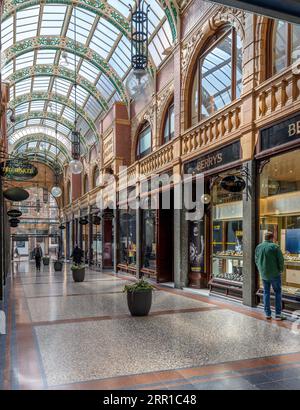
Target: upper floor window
x=218, y=77
x=169, y=125
x=96, y=177
x=286, y=45
x=85, y=184
x=69, y=193
x=144, y=146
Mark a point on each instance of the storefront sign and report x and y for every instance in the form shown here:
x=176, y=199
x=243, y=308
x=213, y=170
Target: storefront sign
x=233, y=183
x=224, y=156
x=279, y=134
x=18, y=170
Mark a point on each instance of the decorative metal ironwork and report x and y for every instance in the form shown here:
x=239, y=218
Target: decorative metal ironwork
x=139, y=35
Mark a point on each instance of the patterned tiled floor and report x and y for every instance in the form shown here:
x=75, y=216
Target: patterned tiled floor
x=64, y=335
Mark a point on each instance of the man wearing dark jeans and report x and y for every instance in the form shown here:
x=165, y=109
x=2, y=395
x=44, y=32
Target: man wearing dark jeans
x=38, y=253
x=270, y=263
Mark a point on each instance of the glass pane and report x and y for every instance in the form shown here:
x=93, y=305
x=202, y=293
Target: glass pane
x=280, y=213
x=145, y=143
x=149, y=239
x=216, y=74
x=280, y=46
x=239, y=66
x=296, y=43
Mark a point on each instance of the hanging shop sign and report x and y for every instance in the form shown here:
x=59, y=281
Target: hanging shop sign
x=14, y=213
x=279, y=134
x=83, y=221
x=224, y=156
x=16, y=194
x=233, y=183
x=62, y=227
x=96, y=220
x=18, y=170
x=14, y=221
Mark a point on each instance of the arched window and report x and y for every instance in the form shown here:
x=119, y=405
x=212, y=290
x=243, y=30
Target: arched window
x=169, y=124
x=218, y=76
x=85, y=184
x=96, y=177
x=285, y=45
x=69, y=193
x=144, y=145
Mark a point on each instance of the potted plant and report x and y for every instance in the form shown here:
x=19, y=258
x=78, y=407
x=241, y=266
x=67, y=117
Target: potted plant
x=58, y=265
x=46, y=260
x=78, y=272
x=139, y=298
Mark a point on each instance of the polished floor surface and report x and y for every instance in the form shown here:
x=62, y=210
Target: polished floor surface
x=62, y=335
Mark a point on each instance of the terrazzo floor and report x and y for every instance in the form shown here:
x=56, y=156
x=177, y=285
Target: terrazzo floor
x=81, y=336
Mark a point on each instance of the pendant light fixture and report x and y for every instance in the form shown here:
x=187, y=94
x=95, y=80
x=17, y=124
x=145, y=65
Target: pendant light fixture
x=75, y=165
x=139, y=83
x=56, y=190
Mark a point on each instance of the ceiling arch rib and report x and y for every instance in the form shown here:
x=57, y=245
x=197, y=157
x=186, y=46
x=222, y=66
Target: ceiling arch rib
x=41, y=132
x=42, y=143
x=59, y=43
x=55, y=98
x=48, y=159
x=57, y=72
x=42, y=115
x=101, y=9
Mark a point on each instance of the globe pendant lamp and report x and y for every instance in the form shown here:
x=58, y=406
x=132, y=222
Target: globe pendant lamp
x=139, y=83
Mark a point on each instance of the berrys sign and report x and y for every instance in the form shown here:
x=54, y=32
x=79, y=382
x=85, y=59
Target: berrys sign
x=224, y=156
x=18, y=170
x=280, y=134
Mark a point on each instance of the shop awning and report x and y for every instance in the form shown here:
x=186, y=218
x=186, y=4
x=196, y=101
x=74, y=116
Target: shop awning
x=281, y=9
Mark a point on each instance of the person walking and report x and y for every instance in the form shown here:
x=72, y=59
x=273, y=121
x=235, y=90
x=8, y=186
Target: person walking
x=270, y=263
x=77, y=255
x=38, y=254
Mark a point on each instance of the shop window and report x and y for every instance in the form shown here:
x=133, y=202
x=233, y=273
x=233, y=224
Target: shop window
x=280, y=213
x=227, y=234
x=218, y=77
x=96, y=177
x=144, y=145
x=127, y=237
x=169, y=124
x=286, y=45
x=149, y=245
x=69, y=193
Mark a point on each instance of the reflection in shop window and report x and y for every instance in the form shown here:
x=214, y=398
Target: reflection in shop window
x=280, y=213
x=149, y=239
x=127, y=237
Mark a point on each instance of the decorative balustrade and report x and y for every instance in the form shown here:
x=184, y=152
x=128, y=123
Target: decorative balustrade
x=213, y=130
x=158, y=159
x=281, y=92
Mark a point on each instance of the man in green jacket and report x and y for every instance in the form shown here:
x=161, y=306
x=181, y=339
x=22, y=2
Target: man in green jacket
x=270, y=263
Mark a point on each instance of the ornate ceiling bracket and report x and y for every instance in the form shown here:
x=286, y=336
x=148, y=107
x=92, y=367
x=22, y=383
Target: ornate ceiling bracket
x=45, y=96
x=60, y=72
x=170, y=8
x=63, y=43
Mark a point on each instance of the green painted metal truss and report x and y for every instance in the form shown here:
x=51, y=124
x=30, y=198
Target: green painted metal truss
x=38, y=138
x=66, y=44
x=45, y=96
x=100, y=8
x=59, y=72
x=43, y=115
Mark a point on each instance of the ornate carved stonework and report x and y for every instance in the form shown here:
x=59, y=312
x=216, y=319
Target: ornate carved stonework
x=162, y=99
x=222, y=15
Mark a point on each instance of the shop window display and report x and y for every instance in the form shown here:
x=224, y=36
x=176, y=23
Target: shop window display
x=227, y=234
x=280, y=213
x=149, y=239
x=127, y=237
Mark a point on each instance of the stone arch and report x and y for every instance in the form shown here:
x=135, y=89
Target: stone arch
x=161, y=116
x=135, y=141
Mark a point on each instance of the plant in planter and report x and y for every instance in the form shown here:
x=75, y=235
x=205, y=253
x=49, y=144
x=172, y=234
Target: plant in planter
x=46, y=260
x=78, y=272
x=58, y=265
x=139, y=298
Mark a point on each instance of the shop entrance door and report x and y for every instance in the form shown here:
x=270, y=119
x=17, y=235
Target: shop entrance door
x=165, y=243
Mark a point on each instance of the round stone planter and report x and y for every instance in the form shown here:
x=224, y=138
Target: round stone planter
x=46, y=261
x=78, y=275
x=139, y=302
x=58, y=266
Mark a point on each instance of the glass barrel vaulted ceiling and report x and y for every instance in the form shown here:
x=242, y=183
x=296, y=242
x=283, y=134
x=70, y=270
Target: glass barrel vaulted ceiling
x=38, y=59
